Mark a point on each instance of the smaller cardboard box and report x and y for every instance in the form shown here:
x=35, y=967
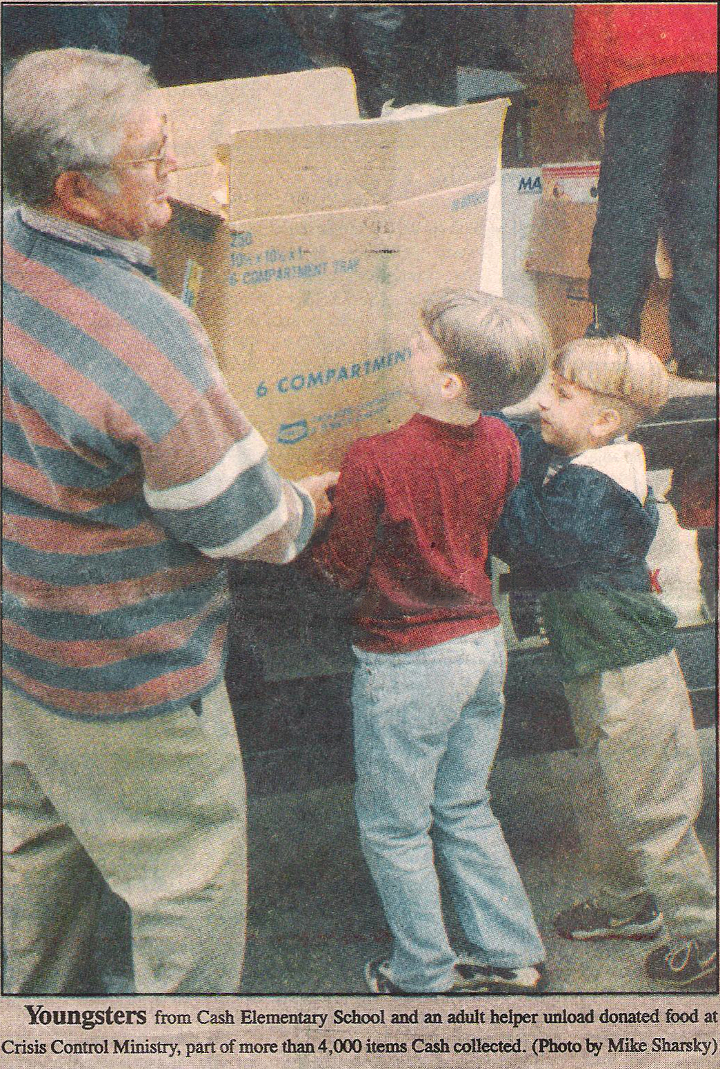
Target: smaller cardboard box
x=521, y=189
x=561, y=126
x=558, y=252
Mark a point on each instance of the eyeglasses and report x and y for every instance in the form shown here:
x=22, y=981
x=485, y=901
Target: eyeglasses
x=160, y=161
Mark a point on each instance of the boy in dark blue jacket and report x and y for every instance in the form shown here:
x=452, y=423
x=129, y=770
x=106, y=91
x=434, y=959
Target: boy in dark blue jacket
x=577, y=530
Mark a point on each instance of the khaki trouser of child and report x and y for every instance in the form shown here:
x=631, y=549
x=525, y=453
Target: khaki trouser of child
x=636, y=723
x=154, y=806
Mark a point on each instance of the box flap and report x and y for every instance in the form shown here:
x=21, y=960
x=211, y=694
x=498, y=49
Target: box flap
x=202, y=115
x=196, y=186
x=364, y=163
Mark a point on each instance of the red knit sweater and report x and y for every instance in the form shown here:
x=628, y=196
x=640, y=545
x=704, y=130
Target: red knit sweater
x=619, y=44
x=412, y=516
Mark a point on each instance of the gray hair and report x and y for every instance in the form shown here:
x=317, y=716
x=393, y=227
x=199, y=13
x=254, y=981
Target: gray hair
x=65, y=109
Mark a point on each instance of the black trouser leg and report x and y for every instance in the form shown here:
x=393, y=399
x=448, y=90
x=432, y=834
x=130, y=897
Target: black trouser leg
x=691, y=230
x=639, y=138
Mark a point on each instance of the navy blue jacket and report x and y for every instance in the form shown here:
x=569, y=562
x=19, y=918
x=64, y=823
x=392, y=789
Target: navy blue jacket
x=580, y=538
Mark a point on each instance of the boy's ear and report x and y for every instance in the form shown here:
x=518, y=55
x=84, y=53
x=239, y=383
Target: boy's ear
x=452, y=386
x=607, y=424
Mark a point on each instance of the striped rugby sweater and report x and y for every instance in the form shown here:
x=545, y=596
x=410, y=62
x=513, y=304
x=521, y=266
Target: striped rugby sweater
x=130, y=475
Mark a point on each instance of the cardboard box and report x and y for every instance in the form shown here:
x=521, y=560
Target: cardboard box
x=521, y=188
x=561, y=126
x=309, y=281
x=558, y=251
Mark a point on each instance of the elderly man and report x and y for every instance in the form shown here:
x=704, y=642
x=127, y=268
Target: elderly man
x=130, y=476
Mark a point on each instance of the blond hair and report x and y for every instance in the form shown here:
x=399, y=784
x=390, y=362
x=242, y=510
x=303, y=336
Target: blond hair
x=616, y=368
x=498, y=350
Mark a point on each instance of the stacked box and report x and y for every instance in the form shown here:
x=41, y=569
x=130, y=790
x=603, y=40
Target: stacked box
x=559, y=247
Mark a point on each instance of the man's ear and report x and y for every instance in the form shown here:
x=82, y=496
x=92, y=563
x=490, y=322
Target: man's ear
x=78, y=198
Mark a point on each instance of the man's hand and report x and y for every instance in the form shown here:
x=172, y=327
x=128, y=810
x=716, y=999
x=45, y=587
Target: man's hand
x=317, y=486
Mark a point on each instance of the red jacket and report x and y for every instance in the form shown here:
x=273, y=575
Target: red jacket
x=618, y=44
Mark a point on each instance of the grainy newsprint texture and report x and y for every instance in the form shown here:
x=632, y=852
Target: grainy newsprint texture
x=314, y=918
x=356, y=1033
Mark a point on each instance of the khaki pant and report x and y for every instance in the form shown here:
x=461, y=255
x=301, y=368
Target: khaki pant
x=638, y=824
x=157, y=808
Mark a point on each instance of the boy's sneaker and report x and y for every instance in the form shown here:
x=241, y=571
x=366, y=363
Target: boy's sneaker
x=378, y=980
x=685, y=963
x=470, y=977
x=590, y=920
x=494, y=979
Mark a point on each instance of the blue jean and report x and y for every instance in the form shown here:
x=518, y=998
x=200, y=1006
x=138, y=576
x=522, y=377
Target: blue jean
x=427, y=725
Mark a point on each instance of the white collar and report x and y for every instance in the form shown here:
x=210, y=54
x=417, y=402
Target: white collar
x=622, y=461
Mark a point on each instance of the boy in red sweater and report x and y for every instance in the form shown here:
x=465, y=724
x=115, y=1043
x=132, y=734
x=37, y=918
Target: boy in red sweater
x=412, y=516
x=651, y=71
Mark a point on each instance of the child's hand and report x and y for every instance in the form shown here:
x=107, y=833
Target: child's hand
x=528, y=408
x=319, y=487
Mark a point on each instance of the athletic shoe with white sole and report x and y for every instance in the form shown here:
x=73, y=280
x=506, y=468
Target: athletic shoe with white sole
x=591, y=920
x=685, y=963
x=471, y=977
x=378, y=981
x=494, y=979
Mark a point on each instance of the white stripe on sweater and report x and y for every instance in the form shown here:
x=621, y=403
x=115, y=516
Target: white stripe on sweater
x=239, y=458
x=268, y=525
